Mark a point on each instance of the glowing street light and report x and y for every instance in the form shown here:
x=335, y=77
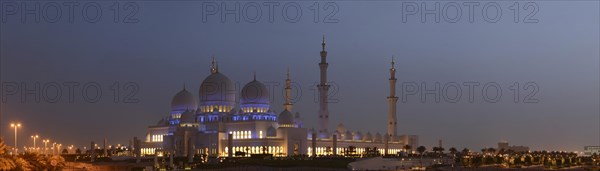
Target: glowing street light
x=53, y=147
x=46, y=141
x=34, y=137
x=15, y=126
x=71, y=148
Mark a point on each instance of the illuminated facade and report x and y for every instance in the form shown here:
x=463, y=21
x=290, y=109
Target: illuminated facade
x=215, y=126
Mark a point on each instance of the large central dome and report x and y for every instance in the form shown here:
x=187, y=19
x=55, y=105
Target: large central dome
x=217, y=92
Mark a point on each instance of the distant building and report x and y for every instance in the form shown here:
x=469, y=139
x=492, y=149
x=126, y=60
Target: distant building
x=590, y=150
x=504, y=145
x=217, y=125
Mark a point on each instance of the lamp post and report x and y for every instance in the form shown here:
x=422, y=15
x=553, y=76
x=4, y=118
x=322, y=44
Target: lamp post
x=15, y=126
x=45, y=144
x=53, y=147
x=34, y=137
x=58, y=149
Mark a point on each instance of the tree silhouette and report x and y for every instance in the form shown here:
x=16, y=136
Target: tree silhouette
x=407, y=147
x=37, y=161
x=465, y=151
x=421, y=150
x=23, y=164
x=453, y=150
x=6, y=162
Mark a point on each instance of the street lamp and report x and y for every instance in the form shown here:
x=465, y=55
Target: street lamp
x=34, y=137
x=53, y=147
x=15, y=126
x=45, y=144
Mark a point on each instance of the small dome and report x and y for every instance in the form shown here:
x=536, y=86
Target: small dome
x=286, y=118
x=297, y=120
x=188, y=117
x=310, y=132
x=183, y=100
x=271, y=132
x=396, y=139
x=324, y=134
x=368, y=137
x=254, y=92
x=348, y=135
x=378, y=137
x=357, y=136
x=340, y=128
x=217, y=88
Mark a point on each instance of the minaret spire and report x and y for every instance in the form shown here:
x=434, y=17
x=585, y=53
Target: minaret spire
x=254, y=75
x=323, y=88
x=288, y=73
x=323, y=43
x=215, y=66
x=183, y=86
x=288, y=92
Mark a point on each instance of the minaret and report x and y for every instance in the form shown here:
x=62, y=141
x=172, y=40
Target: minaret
x=288, y=92
x=323, y=91
x=392, y=99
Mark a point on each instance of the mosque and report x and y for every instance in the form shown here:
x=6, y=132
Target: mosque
x=215, y=126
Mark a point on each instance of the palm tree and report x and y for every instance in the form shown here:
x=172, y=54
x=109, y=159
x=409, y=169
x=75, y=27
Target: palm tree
x=407, y=147
x=501, y=151
x=6, y=161
x=453, y=150
x=491, y=150
x=435, y=149
x=37, y=161
x=22, y=164
x=438, y=150
x=421, y=150
x=465, y=151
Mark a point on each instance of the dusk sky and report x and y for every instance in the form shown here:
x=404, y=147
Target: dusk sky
x=553, y=56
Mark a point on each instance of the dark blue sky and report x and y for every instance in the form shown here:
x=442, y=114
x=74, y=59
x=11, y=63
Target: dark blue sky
x=170, y=45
